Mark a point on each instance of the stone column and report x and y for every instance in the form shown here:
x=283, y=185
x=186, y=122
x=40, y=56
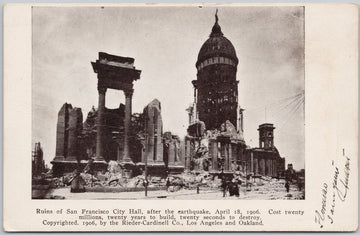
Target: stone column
x=100, y=125
x=262, y=166
x=251, y=162
x=229, y=157
x=187, y=153
x=213, y=153
x=268, y=167
x=225, y=147
x=172, y=153
x=275, y=173
x=127, y=122
x=75, y=127
x=256, y=167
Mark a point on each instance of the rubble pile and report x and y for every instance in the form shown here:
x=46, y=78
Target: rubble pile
x=113, y=167
x=189, y=180
x=62, y=181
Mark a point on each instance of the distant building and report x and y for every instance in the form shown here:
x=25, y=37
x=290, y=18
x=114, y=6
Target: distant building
x=266, y=160
x=38, y=164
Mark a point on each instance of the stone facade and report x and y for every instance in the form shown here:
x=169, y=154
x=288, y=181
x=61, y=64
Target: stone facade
x=75, y=130
x=265, y=160
x=77, y=141
x=113, y=131
x=68, y=147
x=214, y=150
x=62, y=133
x=153, y=137
x=173, y=151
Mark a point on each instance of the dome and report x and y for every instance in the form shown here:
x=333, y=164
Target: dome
x=217, y=45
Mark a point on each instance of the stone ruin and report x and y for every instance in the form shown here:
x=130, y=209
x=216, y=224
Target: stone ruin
x=76, y=141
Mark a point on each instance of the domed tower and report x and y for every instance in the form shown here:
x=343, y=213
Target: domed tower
x=216, y=87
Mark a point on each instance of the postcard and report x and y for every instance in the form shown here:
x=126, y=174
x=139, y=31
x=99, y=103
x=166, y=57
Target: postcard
x=180, y=117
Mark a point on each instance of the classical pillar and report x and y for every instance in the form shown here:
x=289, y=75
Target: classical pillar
x=213, y=153
x=226, y=155
x=251, y=162
x=275, y=173
x=256, y=168
x=262, y=166
x=230, y=157
x=172, y=153
x=187, y=153
x=268, y=167
x=127, y=122
x=195, y=106
x=100, y=125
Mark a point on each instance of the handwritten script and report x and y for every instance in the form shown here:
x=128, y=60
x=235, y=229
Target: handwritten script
x=337, y=190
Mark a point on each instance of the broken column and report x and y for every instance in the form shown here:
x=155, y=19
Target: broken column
x=62, y=132
x=224, y=151
x=75, y=128
x=172, y=151
x=213, y=154
x=153, y=133
x=69, y=128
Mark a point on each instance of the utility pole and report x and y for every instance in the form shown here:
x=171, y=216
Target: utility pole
x=146, y=165
x=245, y=177
x=146, y=180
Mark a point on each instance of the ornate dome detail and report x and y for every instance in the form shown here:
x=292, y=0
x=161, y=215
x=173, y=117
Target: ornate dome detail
x=217, y=45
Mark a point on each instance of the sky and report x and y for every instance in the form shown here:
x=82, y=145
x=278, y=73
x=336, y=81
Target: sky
x=165, y=41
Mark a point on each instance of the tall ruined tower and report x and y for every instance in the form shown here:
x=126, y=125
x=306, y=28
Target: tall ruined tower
x=266, y=136
x=216, y=87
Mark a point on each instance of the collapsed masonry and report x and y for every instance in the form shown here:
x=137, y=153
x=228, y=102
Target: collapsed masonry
x=76, y=140
x=225, y=151
x=133, y=140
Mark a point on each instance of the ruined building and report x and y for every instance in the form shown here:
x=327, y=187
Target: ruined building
x=132, y=140
x=69, y=128
x=38, y=163
x=216, y=90
x=215, y=135
x=215, y=139
x=153, y=134
x=266, y=160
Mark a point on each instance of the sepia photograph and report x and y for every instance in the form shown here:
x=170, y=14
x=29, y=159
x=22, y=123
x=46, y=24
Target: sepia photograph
x=168, y=102
x=191, y=117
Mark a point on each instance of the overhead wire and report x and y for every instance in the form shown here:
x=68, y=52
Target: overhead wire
x=292, y=112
